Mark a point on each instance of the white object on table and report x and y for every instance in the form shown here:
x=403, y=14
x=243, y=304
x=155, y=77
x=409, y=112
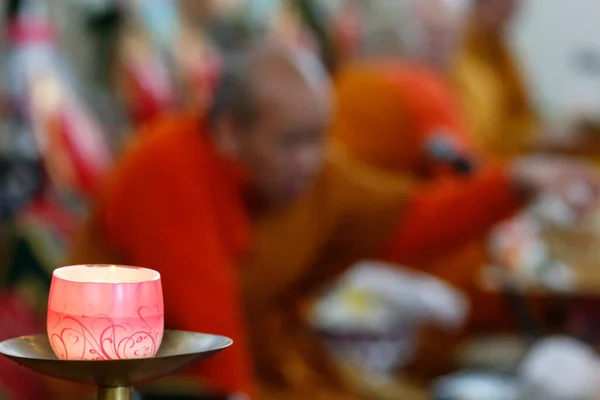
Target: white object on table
x=561, y=368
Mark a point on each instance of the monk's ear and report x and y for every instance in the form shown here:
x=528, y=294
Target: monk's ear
x=226, y=138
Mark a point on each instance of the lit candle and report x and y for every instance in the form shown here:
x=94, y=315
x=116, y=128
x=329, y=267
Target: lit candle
x=104, y=312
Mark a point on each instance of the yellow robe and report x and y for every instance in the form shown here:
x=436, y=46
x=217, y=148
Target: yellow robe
x=493, y=95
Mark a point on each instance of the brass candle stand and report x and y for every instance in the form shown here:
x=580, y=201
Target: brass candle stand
x=115, y=378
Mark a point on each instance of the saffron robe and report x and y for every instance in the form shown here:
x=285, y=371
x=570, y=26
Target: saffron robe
x=494, y=96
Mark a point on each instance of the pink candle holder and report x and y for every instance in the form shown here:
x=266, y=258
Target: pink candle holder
x=105, y=312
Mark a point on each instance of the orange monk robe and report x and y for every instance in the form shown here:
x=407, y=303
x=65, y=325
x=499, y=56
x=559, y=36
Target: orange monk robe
x=174, y=206
x=493, y=95
x=387, y=110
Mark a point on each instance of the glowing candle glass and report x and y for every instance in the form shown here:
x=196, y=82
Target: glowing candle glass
x=104, y=312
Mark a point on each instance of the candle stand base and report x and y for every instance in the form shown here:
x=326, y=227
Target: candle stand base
x=115, y=378
x=115, y=393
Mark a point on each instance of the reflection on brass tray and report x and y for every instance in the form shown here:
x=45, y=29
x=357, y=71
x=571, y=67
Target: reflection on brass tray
x=115, y=378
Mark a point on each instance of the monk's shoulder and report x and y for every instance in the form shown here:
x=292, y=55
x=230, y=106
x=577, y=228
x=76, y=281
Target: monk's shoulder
x=160, y=168
x=166, y=141
x=172, y=121
x=163, y=160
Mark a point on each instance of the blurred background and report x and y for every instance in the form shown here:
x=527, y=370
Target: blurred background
x=80, y=77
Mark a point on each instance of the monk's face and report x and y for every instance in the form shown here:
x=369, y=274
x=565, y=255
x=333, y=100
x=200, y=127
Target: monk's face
x=284, y=149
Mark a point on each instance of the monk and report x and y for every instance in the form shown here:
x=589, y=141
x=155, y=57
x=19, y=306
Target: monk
x=402, y=117
x=493, y=92
x=246, y=212
x=389, y=114
x=183, y=200
x=490, y=84
x=402, y=114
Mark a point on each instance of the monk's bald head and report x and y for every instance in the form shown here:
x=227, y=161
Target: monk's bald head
x=263, y=74
x=271, y=111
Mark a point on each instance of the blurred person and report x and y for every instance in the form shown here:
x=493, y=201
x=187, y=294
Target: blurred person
x=490, y=84
x=493, y=92
x=397, y=117
x=182, y=200
x=397, y=108
x=462, y=44
x=404, y=115
x=407, y=48
x=351, y=213
x=428, y=32
x=423, y=122
x=246, y=213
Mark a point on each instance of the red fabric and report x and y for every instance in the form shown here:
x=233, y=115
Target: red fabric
x=17, y=319
x=175, y=206
x=449, y=213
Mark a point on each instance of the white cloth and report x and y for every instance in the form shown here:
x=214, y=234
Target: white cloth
x=391, y=294
x=374, y=313
x=561, y=368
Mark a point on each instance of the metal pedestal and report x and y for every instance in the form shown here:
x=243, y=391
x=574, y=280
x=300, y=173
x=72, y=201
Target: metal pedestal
x=115, y=378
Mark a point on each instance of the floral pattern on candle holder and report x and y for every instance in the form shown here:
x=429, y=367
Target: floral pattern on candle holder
x=99, y=337
x=105, y=321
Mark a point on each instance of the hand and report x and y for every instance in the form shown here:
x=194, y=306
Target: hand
x=575, y=182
